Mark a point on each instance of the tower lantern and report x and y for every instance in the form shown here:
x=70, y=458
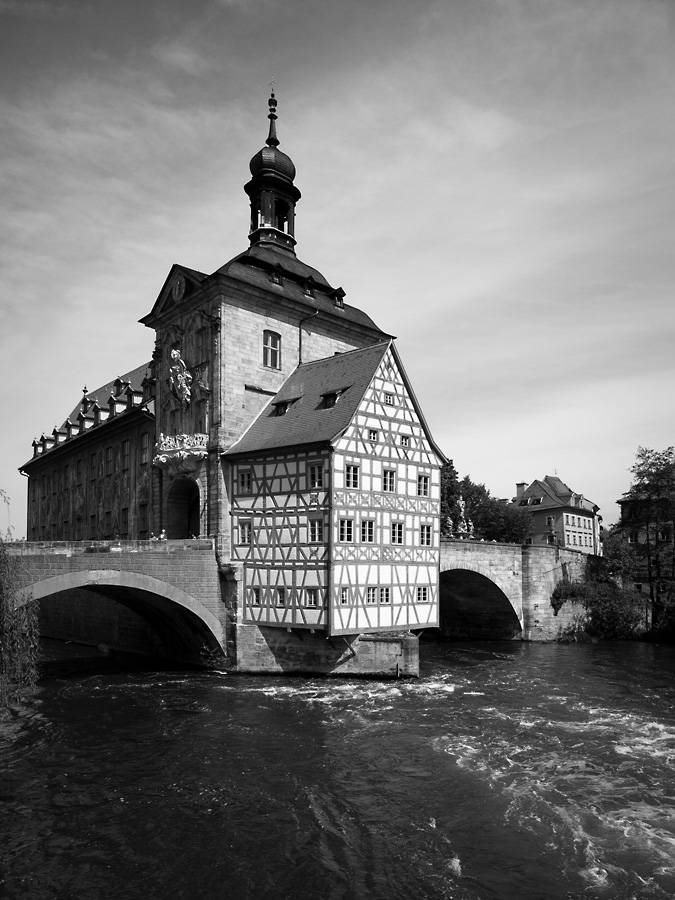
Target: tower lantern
x=272, y=192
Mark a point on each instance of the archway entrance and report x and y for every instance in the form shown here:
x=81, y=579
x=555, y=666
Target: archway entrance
x=472, y=607
x=182, y=509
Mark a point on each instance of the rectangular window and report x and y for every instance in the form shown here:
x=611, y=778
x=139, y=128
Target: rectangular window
x=344, y=596
x=108, y=460
x=367, y=531
x=423, y=594
x=422, y=485
x=143, y=520
x=388, y=399
x=405, y=440
x=312, y=598
x=550, y=521
x=201, y=345
x=245, y=532
x=281, y=597
x=371, y=595
x=632, y=537
x=78, y=471
x=271, y=350
x=108, y=523
x=346, y=530
x=125, y=454
x=255, y=596
x=352, y=477
x=316, y=476
x=245, y=482
x=124, y=522
x=397, y=532
x=315, y=531
x=389, y=480
x=425, y=535
x=92, y=527
x=567, y=519
x=385, y=595
x=373, y=435
x=145, y=443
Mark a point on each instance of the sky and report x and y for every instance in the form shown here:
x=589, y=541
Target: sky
x=492, y=181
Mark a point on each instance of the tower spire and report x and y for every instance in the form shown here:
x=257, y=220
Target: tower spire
x=272, y=139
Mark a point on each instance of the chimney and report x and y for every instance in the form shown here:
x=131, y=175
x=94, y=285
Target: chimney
x=520, y=489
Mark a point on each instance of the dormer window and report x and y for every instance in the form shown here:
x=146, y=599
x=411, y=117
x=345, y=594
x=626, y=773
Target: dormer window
x=276, y=278
x=308, y=289
x=338, y=296
x=330, y=399
x=282, y=406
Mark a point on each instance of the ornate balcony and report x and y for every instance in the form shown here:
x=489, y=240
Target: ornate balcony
x=180, y=454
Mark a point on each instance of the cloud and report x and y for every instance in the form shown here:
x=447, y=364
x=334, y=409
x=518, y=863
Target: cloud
x=180, y=57
x=35, y=9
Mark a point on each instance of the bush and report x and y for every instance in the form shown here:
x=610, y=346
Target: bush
x=19, y=632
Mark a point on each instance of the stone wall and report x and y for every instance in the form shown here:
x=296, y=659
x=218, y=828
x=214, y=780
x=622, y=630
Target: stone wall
x=543, y=569
x=275, y=651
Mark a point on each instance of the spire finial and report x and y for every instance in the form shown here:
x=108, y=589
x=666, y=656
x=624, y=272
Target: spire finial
x=272, y=139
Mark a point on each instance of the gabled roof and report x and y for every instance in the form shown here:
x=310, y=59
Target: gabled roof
x=555, y=493
x=308, y=420
x=255, y=267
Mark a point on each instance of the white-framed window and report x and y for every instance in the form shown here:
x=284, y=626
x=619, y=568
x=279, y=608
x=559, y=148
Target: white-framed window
x=371, y=596
x=344, y=596
x=367, y=531
x=352, y=477
x=405, y=440
x=312, y=597
x=255, y=596
x=388, y=480
x=373, y=435
x=385, y=595
x=397, y=532
x=245, y=531
x=346, y=530
x=425, y=535
x=423, y=594
x=316, y=476
x=422, y=485
x=567, y=519
x=245, y=482
x=271, y=349
x=550, y=521
x=315, y=531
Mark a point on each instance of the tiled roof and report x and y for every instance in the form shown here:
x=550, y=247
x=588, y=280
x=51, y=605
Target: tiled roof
x=554, y=493
x=256, y=264
x=102, y=394
x=307, y=420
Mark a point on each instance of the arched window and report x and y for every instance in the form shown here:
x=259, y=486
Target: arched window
x=272, y=349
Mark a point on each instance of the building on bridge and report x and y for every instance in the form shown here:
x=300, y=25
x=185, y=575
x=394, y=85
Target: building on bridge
x=273, y=417
x=560, y=517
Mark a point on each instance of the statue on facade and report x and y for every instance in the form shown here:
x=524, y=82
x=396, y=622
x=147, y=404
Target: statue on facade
x=179, y=378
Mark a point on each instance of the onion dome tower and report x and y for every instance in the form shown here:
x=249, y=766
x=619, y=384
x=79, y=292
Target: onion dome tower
x=272, y=192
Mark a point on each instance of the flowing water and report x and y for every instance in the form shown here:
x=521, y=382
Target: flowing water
x=509, y=771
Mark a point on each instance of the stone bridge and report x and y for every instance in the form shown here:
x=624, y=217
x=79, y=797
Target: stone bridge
x=170, y=594
x=171, y=599
x=503, y=591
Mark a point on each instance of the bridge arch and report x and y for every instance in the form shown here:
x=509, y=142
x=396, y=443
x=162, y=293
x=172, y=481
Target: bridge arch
x=475, y=603
x=184, y=626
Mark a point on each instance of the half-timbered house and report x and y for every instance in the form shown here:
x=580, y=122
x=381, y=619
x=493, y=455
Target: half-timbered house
x=335, y=500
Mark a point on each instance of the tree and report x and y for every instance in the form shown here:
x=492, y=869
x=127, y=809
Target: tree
x=492, y=519
x=19, y=629
x=648, y=522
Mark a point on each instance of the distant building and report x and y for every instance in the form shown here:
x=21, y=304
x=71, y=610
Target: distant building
x=560, y=517
x=273, y=417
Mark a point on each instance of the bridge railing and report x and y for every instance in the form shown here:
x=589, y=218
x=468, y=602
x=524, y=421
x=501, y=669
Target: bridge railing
x=80, y=548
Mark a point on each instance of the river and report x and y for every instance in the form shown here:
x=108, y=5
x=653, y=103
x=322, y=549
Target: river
x=508, y=770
